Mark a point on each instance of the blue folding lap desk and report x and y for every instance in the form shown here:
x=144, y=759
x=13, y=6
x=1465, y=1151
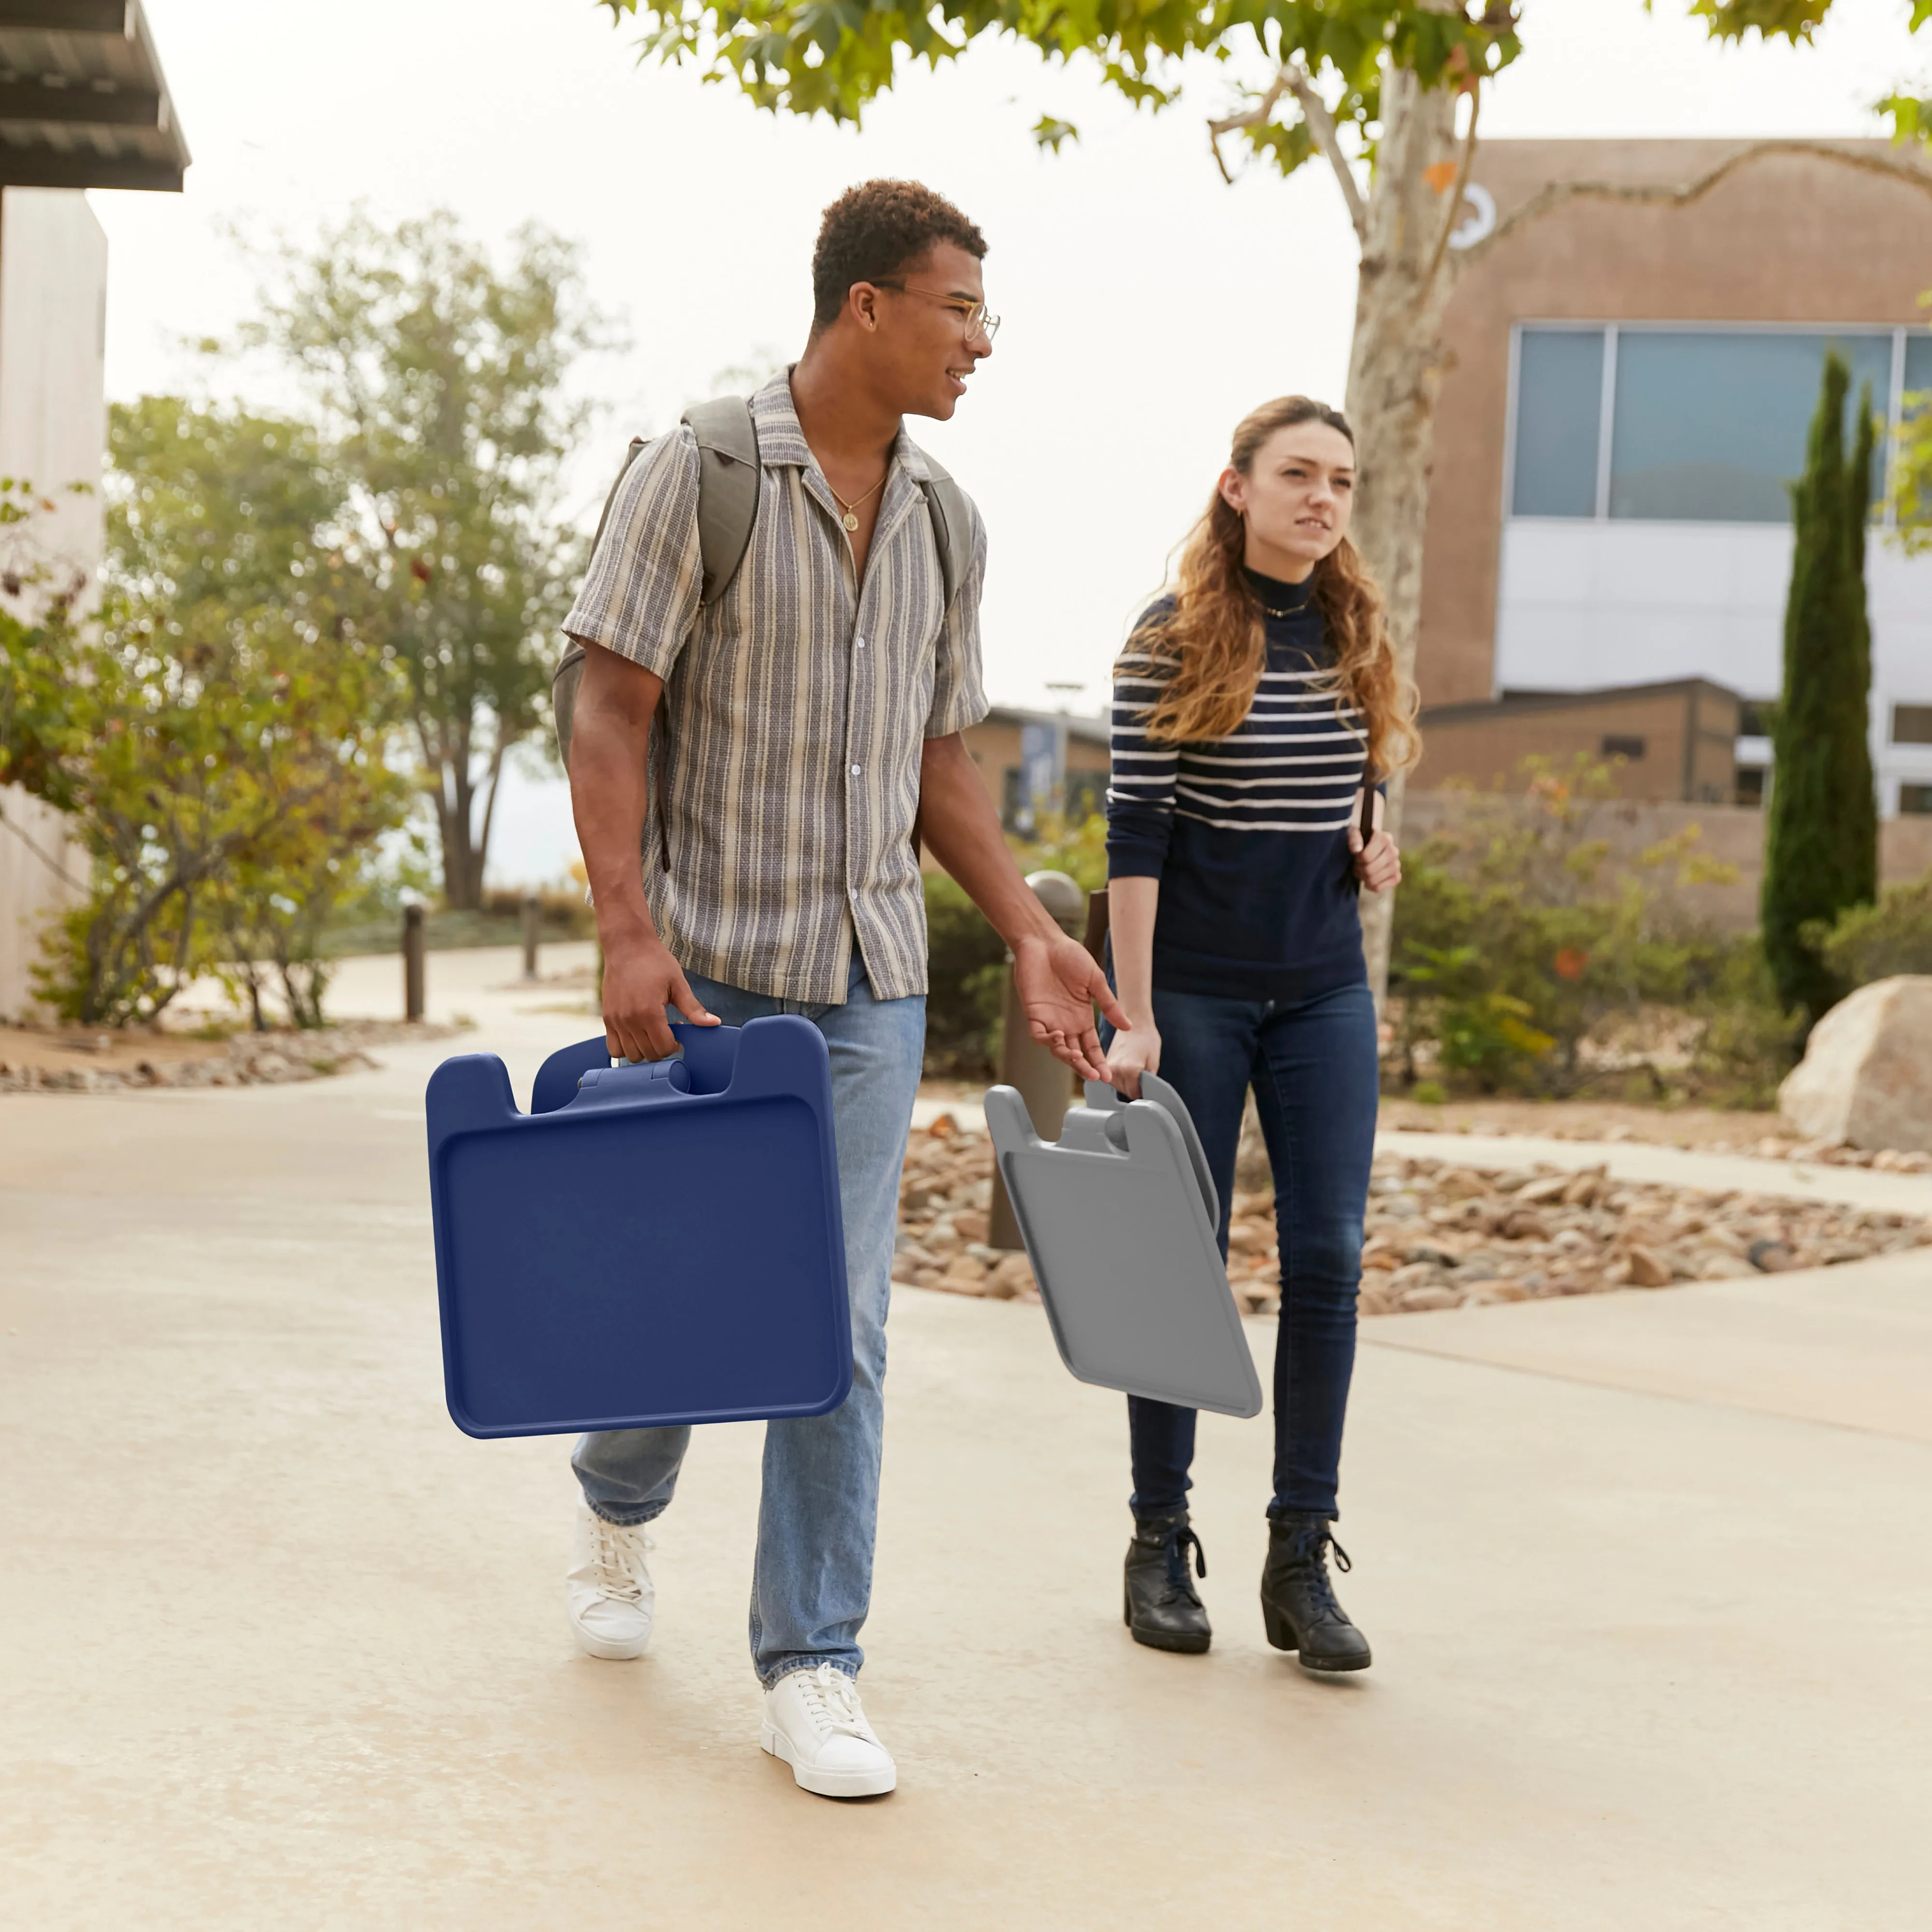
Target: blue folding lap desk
x=649, y=1244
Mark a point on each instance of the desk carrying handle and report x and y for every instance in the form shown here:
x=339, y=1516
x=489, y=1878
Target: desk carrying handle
x=628, y=1086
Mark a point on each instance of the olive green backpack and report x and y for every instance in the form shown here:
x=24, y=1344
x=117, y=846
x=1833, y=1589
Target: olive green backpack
x=727, y=507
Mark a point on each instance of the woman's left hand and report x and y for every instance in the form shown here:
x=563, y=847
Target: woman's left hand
x=1378, y=863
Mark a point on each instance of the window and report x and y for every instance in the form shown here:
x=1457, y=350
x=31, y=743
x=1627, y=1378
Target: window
x=1751, y=785
x=1757, y=716
x=1706, y=425
x=1917, y=363
x=1911, y=724
x=1616, y=747
x=1915, y=798
x=1559, y=403
x=1710, y=427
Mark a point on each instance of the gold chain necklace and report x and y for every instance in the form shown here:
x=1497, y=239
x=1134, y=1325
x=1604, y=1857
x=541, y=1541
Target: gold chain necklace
x=851, y=509
x=1272, y=611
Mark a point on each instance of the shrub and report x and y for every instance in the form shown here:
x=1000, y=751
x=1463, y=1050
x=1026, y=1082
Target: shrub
x=1873, y=942
x=1516, y=953
x=1748, y=1040
x=968, y=975
x=966, y=982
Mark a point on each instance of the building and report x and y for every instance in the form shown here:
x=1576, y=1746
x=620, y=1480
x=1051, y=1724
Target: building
x=1628, y=387
x=1034, y=762
x=82, y=104
x=1674, y=741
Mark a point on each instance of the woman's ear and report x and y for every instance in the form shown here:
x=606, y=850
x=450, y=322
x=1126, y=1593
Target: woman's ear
x=1233, y=488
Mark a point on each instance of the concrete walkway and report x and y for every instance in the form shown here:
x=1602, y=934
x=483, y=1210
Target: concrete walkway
x=1649, y=1578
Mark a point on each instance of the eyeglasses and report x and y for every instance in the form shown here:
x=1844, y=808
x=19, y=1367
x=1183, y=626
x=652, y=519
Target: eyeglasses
x=975, y=317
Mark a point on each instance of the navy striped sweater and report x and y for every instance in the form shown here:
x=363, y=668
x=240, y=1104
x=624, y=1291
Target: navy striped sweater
x=1248, y=834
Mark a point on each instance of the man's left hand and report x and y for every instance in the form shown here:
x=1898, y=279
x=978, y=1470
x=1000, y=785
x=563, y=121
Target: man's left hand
x=1059, y=985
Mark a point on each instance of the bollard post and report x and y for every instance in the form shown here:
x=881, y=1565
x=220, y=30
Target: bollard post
x=1044, y=1082
x=532, y=921
x=413, y=962
x=1095, y=940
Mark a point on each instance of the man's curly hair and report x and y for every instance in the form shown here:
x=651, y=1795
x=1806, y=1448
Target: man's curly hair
x=872, y=231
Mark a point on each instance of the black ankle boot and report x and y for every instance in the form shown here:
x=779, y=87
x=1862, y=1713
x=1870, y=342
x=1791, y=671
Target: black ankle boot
x=1298, y=1604
x=1162, y=1609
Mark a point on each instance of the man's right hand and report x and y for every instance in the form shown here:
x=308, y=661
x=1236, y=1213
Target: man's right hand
x=642, y=982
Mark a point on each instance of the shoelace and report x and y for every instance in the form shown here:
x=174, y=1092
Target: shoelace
x=832, y=1702
x=1308, y=1549
x=618, y=1555
x=1178, y=1544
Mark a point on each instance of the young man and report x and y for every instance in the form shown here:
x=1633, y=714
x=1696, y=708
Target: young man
x=812, y=722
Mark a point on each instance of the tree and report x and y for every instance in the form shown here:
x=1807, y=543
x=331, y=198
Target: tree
x=1821, y=841
x=1374, y=87
x=445, y=426
x=216, y=728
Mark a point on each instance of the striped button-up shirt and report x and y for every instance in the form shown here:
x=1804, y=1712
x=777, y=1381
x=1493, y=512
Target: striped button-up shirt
x=781, y=831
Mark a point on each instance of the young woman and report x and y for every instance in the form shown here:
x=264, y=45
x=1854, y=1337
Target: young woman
x=1255, y=709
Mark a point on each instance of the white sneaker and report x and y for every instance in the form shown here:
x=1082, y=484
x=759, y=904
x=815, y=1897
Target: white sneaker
x=814, y=1722
x=608, y=1595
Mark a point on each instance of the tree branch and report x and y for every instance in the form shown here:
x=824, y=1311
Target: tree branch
x=1452, y=214
x=1294, y=79
x=1255, y=117
x=1557, y=192
x=1321, y=125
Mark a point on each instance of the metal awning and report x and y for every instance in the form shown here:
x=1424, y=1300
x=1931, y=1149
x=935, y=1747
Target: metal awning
x=83, y=103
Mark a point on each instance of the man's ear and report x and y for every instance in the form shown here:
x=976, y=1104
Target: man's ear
x=862, y=302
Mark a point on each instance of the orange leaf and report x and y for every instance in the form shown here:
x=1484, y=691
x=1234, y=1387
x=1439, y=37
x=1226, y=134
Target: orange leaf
x=1438, y=175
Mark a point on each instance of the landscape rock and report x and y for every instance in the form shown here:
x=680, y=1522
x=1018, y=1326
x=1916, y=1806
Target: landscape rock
x=1644, y=1268
x=1866, y=1077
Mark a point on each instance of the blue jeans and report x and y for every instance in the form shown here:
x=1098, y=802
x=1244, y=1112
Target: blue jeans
x=1312, y=1064
x=811, y=1583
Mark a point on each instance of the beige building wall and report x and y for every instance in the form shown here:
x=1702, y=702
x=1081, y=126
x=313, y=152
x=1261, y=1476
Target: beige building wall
x=53, y=421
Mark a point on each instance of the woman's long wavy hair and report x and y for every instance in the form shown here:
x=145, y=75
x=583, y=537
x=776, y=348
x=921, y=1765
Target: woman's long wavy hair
x=1214, y=632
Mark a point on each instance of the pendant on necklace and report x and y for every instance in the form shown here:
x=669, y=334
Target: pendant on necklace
x=851, y=520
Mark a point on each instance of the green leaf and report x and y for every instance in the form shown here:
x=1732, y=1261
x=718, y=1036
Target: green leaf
x=1049, y=134
x=1910, y=115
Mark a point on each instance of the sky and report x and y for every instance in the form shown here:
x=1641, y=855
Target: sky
x=1147, y=305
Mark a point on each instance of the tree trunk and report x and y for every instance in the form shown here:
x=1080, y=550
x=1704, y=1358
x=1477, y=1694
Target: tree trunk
x=455, y=802
x=1395, y=370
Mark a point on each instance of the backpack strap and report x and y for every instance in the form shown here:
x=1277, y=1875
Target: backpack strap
x=952, y=526
x=727, y=507
x=727, y=487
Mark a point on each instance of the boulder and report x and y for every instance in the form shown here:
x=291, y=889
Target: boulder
x=1866, y=1077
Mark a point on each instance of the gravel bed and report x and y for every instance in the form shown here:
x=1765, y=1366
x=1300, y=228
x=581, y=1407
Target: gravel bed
x=1438, y=1235
x=245, y=1059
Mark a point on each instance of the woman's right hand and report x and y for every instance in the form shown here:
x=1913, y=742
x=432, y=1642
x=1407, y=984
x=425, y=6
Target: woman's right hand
x=1134, y=1051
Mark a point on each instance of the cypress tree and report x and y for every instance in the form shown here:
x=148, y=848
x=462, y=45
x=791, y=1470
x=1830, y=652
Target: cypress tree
x=1821, y=845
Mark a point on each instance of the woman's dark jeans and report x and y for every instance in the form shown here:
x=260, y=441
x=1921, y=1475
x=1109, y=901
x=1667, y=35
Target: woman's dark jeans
x=1313, y=1066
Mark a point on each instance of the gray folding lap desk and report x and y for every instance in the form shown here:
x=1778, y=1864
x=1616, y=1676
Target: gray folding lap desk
x=1119, y=1217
